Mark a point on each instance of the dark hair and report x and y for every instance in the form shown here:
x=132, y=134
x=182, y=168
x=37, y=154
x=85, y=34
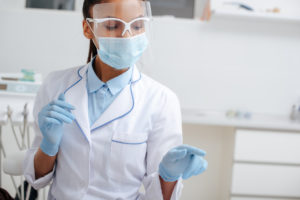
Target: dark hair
x=87, y=4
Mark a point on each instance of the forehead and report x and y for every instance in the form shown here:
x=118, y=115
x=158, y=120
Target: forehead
x=125, y=10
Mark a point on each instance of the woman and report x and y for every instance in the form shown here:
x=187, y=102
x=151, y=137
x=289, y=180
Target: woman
x=103, y=129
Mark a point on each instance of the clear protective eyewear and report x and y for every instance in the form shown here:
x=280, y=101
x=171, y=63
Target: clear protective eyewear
x=116, y=19
x=114, y=27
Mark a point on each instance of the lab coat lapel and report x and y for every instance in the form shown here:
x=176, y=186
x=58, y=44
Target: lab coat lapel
x=121, y=106
x=77, y=96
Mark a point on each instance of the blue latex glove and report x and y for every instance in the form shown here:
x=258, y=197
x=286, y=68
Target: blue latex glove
x=183, y=160
x=50, y=120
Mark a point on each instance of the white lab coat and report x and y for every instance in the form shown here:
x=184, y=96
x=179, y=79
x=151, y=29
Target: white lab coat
x=120, y=151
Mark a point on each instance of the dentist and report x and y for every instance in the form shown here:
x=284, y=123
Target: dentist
x=104, y=128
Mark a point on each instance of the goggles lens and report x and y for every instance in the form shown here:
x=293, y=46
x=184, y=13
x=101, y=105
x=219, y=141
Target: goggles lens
x=113, y=27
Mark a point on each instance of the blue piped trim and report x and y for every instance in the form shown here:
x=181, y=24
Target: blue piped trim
x=80, y=78
x=132, y=97
x=137, y=79
x=76, y=81
x=133, y=102
x=134, y=143
x=81, y=130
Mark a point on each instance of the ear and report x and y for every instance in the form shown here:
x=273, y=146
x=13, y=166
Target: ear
x=87, y=32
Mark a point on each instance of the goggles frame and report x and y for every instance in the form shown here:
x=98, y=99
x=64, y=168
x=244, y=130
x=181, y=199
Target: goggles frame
x=126, y=24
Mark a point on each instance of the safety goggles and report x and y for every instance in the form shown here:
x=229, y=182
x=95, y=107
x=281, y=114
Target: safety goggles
x=120, y=18
x=114, y=27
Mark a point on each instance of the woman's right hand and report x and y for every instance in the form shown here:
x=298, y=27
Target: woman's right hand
x=50, y=121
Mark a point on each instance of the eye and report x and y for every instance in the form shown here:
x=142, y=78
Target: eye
x=111, y=28
x=138, y=25
x=137, y=28
x=111, y=25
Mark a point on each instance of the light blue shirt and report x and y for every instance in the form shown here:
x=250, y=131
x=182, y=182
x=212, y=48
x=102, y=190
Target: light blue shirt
x=100, y=94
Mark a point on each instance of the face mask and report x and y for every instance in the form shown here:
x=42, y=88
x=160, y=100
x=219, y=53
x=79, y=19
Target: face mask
x=121, y=53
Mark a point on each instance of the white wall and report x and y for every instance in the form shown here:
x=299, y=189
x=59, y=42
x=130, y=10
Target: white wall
x=229, y=63
x=20, y=4
x=39, y=39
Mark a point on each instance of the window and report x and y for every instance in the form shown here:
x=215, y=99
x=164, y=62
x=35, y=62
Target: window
x=177, y=8
x=51, y=4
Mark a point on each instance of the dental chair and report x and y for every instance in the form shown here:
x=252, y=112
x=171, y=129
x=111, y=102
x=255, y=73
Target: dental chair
x=13, y=166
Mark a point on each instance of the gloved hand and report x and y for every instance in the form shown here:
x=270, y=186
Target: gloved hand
x=50, y=120
x=183, y=160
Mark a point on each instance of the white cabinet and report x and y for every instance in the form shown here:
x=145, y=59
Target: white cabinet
x=266, y=164
x=267, y=146
x=266, y=180
x=253, y=198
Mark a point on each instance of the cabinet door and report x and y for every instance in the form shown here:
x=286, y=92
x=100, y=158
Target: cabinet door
x=267, y=146
x=270, y=180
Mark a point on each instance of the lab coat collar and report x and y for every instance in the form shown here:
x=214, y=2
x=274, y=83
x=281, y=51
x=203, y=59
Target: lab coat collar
x=76, y=95
x=121, y=106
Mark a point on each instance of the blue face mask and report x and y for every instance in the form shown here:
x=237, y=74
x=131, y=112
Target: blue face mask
x=121, y=53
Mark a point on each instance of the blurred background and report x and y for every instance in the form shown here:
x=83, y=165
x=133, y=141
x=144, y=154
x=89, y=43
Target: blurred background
x=234, y=65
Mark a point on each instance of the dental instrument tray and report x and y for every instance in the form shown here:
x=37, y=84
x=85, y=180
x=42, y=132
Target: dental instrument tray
x=15, y=83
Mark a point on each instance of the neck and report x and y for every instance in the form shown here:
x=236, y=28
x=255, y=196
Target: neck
x=106, y=72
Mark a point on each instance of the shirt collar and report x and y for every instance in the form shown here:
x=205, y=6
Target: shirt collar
x=115, y=85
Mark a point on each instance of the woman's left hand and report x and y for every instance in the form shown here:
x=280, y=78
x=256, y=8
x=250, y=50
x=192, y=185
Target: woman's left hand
x=182, y=161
